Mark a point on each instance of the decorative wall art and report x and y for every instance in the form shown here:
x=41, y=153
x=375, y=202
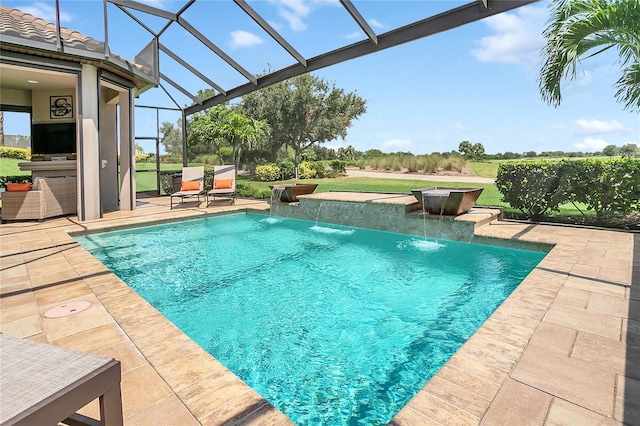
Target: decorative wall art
x=61, y=106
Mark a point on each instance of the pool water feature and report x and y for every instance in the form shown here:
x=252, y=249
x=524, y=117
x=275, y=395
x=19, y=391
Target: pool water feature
x=332, y=325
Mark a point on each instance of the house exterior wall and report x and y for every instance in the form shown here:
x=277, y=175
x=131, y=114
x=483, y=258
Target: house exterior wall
x=89, y=154
x=15, y=97
x=41, y=105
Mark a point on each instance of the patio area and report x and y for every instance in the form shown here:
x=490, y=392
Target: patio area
x=564, y=348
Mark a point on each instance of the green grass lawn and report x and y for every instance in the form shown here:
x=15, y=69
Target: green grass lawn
x=146, y=181
x=146, y=176
x=9, y=167
x=490, y=196
x=484, y=168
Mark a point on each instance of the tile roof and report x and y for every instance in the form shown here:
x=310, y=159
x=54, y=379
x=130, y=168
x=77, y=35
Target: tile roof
x=22, y=31
x=21, y=25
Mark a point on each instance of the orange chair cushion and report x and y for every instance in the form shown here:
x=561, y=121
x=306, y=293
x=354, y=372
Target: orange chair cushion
x=223, y=184
x=190, y=185
x=18, y=187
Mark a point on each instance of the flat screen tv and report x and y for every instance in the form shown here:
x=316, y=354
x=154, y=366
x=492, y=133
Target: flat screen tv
x=53, y=138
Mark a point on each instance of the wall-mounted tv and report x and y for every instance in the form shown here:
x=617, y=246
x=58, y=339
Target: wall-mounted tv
x=53, y=138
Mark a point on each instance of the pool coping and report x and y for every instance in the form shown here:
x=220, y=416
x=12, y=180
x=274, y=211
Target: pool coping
x=474, y=385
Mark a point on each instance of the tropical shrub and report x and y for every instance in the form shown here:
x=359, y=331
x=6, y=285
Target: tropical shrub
x=145, y=158
x=17, y=153
x=267, y=173
x=609, y=187
x=306, y=171
x=319, y=171
x=287, y=170
x=533, y=187
x=208, y=178
x=247, y=190
x=166, y=183
x=339, y=166
x=209, y=159
x=14, y=179
x=171, y=159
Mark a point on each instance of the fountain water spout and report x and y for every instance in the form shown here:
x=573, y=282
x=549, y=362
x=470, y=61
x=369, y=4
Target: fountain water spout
x=276, y=192
x=318, y=212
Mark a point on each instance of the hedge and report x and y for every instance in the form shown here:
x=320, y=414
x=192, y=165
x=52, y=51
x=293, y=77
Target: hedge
x=286, y=170
x=609, y=187
x=17, y=153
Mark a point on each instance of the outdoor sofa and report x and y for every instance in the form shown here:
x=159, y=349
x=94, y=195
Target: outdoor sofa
x=50, y=197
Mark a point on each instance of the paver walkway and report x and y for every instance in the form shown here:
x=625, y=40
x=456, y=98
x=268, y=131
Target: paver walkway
x=564, y=348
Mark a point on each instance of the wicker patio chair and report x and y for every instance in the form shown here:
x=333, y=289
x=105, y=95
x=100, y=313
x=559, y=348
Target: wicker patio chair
x=51, y=196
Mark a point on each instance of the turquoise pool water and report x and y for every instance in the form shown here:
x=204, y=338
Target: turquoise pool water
x=332, y=325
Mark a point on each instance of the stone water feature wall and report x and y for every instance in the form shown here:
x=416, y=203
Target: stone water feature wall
x=385, y=212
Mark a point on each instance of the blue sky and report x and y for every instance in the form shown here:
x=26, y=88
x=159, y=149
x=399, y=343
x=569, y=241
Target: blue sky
x=476, y=83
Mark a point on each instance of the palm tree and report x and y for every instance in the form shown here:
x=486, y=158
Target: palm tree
x=221, y=126
x=245, y=132
x=580, y=29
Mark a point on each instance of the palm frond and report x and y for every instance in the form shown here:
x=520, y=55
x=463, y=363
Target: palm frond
x=628, y=88
x=580, y=29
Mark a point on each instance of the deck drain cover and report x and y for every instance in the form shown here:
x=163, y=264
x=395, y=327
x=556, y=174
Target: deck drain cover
x=67, y=309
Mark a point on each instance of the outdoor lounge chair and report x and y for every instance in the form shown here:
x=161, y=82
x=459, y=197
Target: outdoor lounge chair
x=192, y=184
x=224, y=183
x=44, y=384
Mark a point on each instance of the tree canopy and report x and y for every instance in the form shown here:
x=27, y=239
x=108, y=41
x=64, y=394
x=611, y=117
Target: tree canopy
x=221, y=126
x=303, y=111
x=171, y=138
x=475, y=151
x=580, y=29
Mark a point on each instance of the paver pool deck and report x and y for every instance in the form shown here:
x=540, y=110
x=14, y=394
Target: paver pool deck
x=563, y=349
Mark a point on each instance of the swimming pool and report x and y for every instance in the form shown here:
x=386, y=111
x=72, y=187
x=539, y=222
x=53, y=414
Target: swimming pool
x=332, y=325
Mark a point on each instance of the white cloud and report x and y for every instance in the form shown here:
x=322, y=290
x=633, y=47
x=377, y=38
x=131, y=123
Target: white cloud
x=516, y=39
x=295, y=21
x=276, y=25
x=360, y=35
x=244, y=39
x=397, y=145
x=591, y=145
x=45, y=11
x=294, y=12
x=299, y=7
x=584, y=127
x=375, y=23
